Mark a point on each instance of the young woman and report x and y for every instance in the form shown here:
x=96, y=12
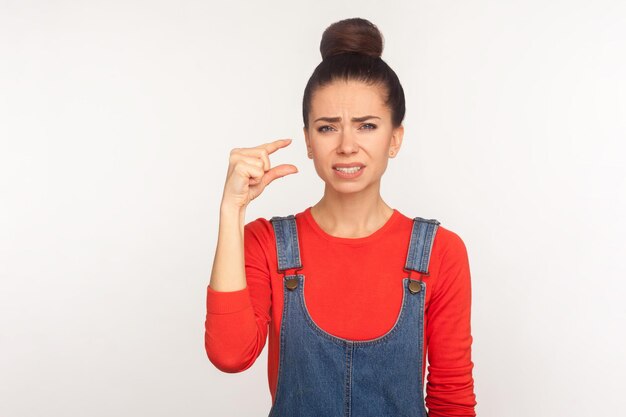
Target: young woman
x=355, y=295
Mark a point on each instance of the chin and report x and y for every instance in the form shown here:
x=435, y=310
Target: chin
x=348, y=188
x=345, y=187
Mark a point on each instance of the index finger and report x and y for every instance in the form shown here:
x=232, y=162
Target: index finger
x=272, y=147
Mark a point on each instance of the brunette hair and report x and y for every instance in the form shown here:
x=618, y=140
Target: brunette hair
x=351, y=50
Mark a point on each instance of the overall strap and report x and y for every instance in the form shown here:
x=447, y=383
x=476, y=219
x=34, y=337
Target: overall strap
x=422, y=238
x=287, y=247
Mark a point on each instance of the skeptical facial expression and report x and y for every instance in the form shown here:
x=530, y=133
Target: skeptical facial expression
x=350, y=136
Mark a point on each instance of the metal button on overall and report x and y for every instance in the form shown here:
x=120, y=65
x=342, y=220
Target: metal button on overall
x=320, y=374
x=414, y=286
x=292, y=283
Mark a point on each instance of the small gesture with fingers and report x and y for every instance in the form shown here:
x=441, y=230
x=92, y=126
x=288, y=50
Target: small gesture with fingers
x=249, y=172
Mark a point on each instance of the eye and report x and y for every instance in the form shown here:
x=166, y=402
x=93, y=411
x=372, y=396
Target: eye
x=321, y=129
x=373, y=126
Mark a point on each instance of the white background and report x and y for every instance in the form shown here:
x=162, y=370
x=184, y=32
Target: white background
x=116, y=120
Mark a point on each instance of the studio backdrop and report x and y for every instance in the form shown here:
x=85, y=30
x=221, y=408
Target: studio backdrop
x=116, y=123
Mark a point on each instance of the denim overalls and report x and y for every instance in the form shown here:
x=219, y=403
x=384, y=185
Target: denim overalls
x=321, y=375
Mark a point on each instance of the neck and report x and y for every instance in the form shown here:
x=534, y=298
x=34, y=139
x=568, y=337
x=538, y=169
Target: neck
x=351, y=215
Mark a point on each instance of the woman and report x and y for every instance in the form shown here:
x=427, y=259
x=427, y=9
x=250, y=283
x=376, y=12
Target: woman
x=384, y=292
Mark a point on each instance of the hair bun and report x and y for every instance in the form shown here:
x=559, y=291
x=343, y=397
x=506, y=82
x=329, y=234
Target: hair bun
x=354, y=35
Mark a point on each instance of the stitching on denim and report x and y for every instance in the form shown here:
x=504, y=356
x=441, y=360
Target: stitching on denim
x=348, y=380
x=428, y=246
x=432, y=242
x=286, y=243
x=287, y=246
x=421, y=351
x=295, y=241
x=280, y=241
x=423, y=255
x=423, y=242
x=281, y=354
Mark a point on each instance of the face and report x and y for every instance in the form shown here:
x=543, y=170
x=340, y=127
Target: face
x=349, y=124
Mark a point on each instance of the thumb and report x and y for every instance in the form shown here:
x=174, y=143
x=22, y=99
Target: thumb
x=278, y=172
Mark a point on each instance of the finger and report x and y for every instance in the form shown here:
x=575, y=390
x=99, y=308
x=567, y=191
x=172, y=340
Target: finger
x=252, y=160
x=259, y=154
x=263, y=151
x=272, y=147
x=252, y=172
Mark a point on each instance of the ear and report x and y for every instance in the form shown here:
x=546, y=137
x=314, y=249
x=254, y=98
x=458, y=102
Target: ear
x=396, y=139
x=307, y=140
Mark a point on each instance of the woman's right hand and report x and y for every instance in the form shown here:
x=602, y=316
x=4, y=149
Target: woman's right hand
x=249, y=172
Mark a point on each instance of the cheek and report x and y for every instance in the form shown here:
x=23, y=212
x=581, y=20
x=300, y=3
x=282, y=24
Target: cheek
x=323, y=171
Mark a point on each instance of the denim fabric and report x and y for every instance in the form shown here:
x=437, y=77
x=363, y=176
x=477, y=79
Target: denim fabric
x=321, y=375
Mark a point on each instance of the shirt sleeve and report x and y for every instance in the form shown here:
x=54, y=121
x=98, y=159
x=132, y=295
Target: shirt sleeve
x=236, y=324
x=450, y=385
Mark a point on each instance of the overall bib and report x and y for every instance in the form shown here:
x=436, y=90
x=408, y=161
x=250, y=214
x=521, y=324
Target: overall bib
x=321, y=375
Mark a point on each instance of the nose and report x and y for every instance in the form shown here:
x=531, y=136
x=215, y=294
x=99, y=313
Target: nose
x=348, y=143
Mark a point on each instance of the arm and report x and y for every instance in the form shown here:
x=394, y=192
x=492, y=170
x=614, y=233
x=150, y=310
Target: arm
x=450, y=386
x=238, y=296
x=239, y=293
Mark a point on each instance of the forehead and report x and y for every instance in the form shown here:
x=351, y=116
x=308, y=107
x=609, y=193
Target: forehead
x=351, y=97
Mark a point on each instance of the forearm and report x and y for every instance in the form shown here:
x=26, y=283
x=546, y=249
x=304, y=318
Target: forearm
x=228, y=271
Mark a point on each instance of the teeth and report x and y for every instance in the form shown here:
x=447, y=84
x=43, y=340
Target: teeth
x=348, y=170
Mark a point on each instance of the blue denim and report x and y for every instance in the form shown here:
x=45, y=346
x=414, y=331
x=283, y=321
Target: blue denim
x=321, y=375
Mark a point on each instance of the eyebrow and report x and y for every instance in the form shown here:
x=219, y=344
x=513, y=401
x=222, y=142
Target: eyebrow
x=338, y=119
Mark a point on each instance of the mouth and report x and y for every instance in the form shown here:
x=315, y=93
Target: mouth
x=349, y=172
x=349, y=168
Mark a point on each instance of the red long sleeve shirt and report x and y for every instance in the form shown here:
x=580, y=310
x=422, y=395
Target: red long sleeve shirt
x=352, y=292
